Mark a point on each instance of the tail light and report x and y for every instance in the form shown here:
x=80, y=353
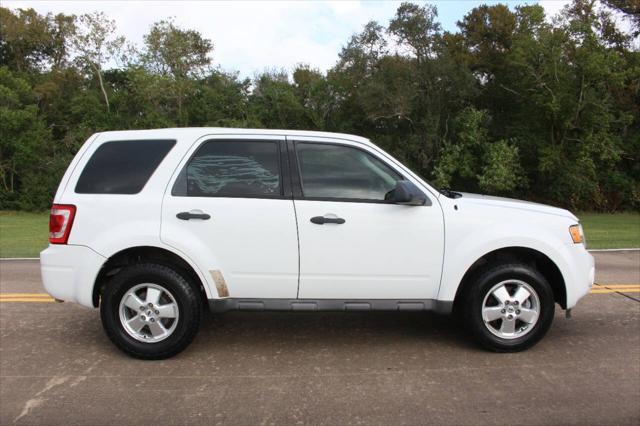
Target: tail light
x=60, y=222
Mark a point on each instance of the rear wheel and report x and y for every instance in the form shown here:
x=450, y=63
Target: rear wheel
x=509, y=307
x=150, y=311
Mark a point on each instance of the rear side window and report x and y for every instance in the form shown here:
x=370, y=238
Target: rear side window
x=238, y=168
x=122, y=167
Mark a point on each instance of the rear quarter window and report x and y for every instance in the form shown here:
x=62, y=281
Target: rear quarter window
x=122, y=167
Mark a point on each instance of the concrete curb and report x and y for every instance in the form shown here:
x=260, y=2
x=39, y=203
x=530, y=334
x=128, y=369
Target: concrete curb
x=621, y=249
x=19, y=258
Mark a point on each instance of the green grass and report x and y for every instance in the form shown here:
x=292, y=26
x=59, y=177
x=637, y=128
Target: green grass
x=618, y=230
x=26, y=234
x=23, y=234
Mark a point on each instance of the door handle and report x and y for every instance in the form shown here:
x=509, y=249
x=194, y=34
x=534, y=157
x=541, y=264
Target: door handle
x=321, y=220
x=189, y=215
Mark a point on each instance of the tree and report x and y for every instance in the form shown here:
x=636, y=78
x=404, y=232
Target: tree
x=416, y=27
x=275, y=104
x=501, y=172
x=222, y=100
x=473, y=161
x=179, y=55
x=96, y=44
x=30, y=42
x=363, y=49
x=631, y=8
x=316, y=95
x=511, y=103
x=21, y=145
x=487, y=34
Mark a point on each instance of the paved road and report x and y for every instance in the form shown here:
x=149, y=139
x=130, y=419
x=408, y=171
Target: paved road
x=57, y=367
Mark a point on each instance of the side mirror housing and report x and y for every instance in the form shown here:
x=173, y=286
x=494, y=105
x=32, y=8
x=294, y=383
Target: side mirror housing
x=408, y=194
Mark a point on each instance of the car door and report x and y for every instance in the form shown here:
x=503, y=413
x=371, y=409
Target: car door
x=368, y=248
x=229, y=209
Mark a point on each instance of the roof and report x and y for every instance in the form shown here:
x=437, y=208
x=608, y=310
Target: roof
x=192, y=133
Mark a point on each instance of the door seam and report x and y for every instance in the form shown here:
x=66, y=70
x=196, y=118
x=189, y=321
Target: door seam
x=295, y=211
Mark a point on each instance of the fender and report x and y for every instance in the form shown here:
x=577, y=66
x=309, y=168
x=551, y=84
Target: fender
x=459, y=257
x=201, y=254
x=113, y=246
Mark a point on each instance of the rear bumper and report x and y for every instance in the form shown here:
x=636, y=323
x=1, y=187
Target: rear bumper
x=69, y=272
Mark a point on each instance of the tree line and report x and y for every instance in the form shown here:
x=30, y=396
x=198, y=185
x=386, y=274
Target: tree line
x=512, y=103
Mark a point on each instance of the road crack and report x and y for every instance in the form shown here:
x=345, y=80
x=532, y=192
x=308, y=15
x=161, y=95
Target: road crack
x=37, y=401
x=618, y=292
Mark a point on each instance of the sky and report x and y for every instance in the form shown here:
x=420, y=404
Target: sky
x=252, y=36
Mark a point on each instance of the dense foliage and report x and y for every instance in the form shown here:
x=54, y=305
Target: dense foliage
x=513, y=103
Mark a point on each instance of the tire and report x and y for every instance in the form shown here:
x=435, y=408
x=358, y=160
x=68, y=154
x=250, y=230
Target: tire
x=484, y=300
x=176, y=309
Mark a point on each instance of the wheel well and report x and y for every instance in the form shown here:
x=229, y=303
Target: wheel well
x=135, y=255
x=538, y=260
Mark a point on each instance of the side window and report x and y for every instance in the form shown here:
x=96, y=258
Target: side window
x=343, y=172
x=122, y=167
x=232, y=169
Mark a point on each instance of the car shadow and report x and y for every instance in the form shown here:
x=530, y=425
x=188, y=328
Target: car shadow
x=321, y=328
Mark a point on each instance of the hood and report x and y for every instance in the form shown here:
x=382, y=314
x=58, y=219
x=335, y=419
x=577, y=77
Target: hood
x=489, y=200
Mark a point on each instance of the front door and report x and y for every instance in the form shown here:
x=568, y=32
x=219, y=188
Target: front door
x=354, y=244
x=229, y=209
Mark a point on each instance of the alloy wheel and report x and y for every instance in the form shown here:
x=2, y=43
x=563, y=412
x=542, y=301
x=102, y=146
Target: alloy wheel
x=149, y=313
x=511, y=309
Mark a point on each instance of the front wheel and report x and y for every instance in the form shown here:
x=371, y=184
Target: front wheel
x=150, y=311
x=509, y=307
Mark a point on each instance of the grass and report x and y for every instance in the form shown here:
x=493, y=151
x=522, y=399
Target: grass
x=26, y=234
x=605, y=231
x=23, y=234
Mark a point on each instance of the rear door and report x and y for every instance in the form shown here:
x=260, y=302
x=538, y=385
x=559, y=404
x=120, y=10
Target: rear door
x=353, y=243
x=230, y=209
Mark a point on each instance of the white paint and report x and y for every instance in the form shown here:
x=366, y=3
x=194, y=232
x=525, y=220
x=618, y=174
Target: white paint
x=382, y=251
x=252, y=241
x=589, y=250
x=485, y=224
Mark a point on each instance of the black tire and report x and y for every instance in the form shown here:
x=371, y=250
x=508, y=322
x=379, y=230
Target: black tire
x=484, y=281
x=186, y=296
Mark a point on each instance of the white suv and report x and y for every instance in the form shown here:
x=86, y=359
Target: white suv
x=154, y=225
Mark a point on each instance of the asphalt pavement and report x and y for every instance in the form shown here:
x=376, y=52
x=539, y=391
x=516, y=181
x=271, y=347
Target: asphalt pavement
x=58, y=367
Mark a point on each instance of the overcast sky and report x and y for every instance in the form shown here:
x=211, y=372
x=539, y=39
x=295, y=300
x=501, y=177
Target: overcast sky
x=251, y=36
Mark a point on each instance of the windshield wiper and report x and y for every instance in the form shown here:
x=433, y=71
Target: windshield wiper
x=444, y=191
x=449, y=193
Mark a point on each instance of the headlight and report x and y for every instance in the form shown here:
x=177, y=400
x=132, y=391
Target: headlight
x=577, y=234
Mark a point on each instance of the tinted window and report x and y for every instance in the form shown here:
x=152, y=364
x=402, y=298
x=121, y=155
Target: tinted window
x=337, y=171
x=122, y=167
x=232, y=169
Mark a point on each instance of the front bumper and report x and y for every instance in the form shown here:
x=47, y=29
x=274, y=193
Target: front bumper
x=69, y=272
x=582, y=275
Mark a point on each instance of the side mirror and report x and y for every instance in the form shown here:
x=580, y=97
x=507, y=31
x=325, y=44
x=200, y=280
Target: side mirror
x=407, y=193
